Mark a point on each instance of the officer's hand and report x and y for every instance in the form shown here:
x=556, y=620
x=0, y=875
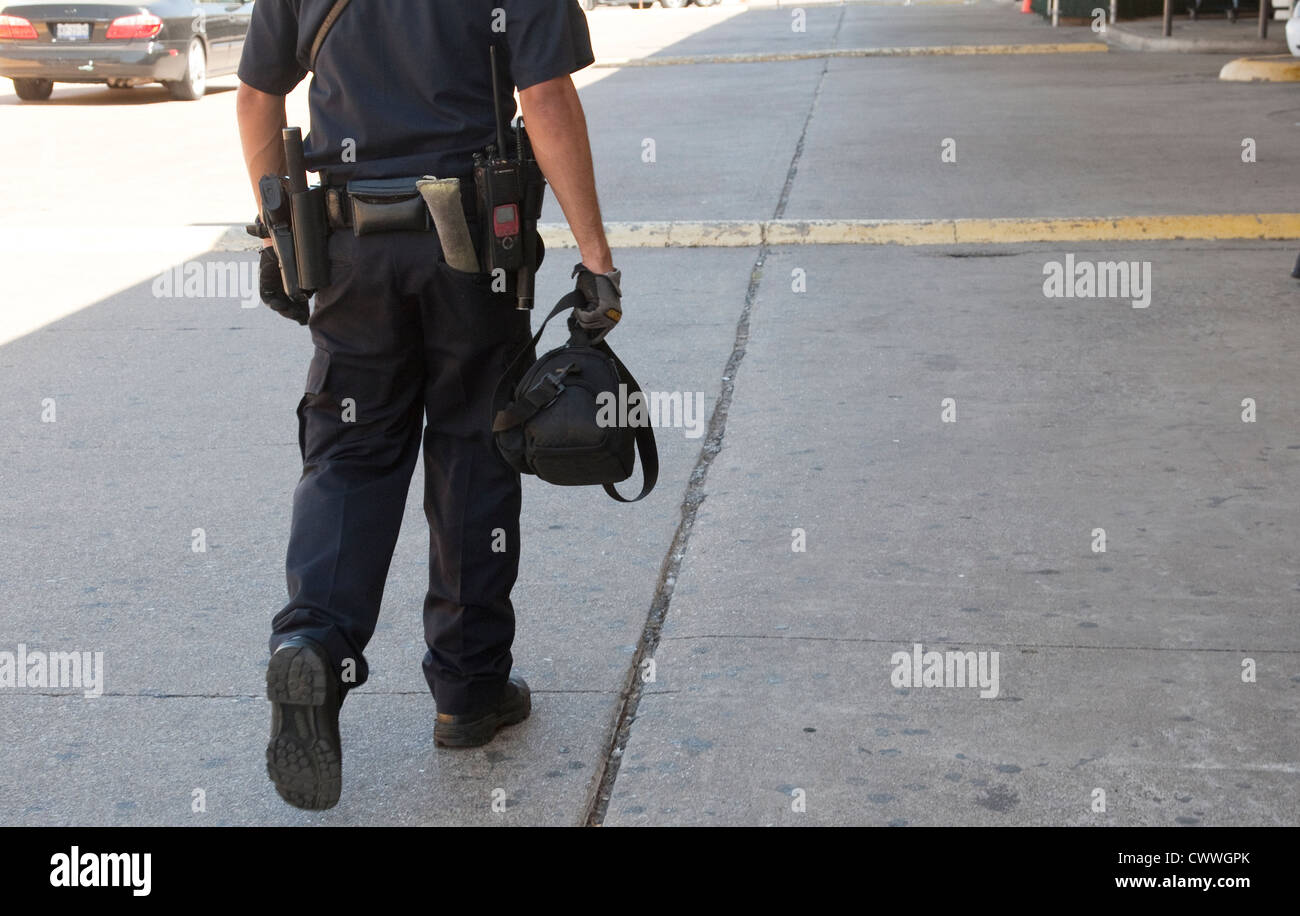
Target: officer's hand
x=270, y=286
x=604, y=301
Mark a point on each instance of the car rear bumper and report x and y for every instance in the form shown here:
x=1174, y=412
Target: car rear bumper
x=88, y=63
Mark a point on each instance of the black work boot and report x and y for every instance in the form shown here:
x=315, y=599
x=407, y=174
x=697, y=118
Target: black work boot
x=305, y=756
x=475, y=729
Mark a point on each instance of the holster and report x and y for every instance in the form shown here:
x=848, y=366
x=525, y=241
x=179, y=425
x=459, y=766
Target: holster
x=311, y=238
x=276, y=220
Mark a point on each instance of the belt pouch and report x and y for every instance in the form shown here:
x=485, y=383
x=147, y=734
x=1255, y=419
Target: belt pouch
x=387, y=205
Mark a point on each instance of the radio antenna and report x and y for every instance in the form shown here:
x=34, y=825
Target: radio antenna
x=496, y=103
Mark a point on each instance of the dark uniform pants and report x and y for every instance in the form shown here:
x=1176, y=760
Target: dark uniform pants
x=401, y=337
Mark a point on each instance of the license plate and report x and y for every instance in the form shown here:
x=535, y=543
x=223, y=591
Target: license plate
x=72, y=31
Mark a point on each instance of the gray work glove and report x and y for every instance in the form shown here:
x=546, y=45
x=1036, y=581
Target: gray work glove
x=270, y=286
x=604, y=301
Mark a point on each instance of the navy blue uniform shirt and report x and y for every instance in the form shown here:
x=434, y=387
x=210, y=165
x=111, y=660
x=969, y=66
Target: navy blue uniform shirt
x=404, y=86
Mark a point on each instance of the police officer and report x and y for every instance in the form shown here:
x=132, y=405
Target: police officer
x=403, y=89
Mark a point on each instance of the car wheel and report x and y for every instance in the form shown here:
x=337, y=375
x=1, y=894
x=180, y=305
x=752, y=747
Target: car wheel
x=191, y=86
x=33, y=90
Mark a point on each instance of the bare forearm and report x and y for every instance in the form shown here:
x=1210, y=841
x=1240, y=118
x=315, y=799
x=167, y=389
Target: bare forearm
x=558, y=131
x=261, y=118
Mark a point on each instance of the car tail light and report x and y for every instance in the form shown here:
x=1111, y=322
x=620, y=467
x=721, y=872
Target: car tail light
x=141, y=25
x=16, y=28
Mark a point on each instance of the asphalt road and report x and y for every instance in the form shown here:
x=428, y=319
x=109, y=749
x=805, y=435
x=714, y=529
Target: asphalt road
x=967, y=524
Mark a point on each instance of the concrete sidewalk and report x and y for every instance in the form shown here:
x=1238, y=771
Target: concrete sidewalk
x=773, y=699
x=1119, y=671
x=174, y=415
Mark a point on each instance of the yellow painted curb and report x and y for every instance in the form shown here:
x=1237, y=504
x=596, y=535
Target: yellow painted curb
x=1079, y=47
x=752, y=233
x=1275, y=68
x=861, y=232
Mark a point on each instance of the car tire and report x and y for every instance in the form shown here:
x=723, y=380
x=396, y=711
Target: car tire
x=33, y=90
x=192, y=85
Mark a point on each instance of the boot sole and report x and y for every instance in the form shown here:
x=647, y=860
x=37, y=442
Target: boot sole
x=480, y=731
x=304, y=757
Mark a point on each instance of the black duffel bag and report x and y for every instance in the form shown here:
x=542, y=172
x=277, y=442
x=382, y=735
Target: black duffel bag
x=551, y=427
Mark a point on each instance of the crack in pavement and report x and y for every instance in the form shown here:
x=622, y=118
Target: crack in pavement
x=607, y=771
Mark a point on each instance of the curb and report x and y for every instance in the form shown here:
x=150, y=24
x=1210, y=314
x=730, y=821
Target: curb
x=909, y=232
x=1063, y=47
x=1123, y=37
x=1278, y=68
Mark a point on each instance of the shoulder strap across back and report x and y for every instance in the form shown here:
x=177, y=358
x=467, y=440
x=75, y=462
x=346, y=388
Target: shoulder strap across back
x=330, y=18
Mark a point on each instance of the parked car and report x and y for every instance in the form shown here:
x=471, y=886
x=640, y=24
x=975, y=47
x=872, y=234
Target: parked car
x=1293, y=30
x=179, y=43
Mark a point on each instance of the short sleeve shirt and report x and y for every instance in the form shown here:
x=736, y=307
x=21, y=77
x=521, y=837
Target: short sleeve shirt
x=404, y=87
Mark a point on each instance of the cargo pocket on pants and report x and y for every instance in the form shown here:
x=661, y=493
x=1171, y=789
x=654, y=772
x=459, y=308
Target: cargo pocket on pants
x=317, y=373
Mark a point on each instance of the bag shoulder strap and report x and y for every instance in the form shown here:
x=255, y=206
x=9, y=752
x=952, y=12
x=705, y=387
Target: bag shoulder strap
x=335, y=12
x=645, y=437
